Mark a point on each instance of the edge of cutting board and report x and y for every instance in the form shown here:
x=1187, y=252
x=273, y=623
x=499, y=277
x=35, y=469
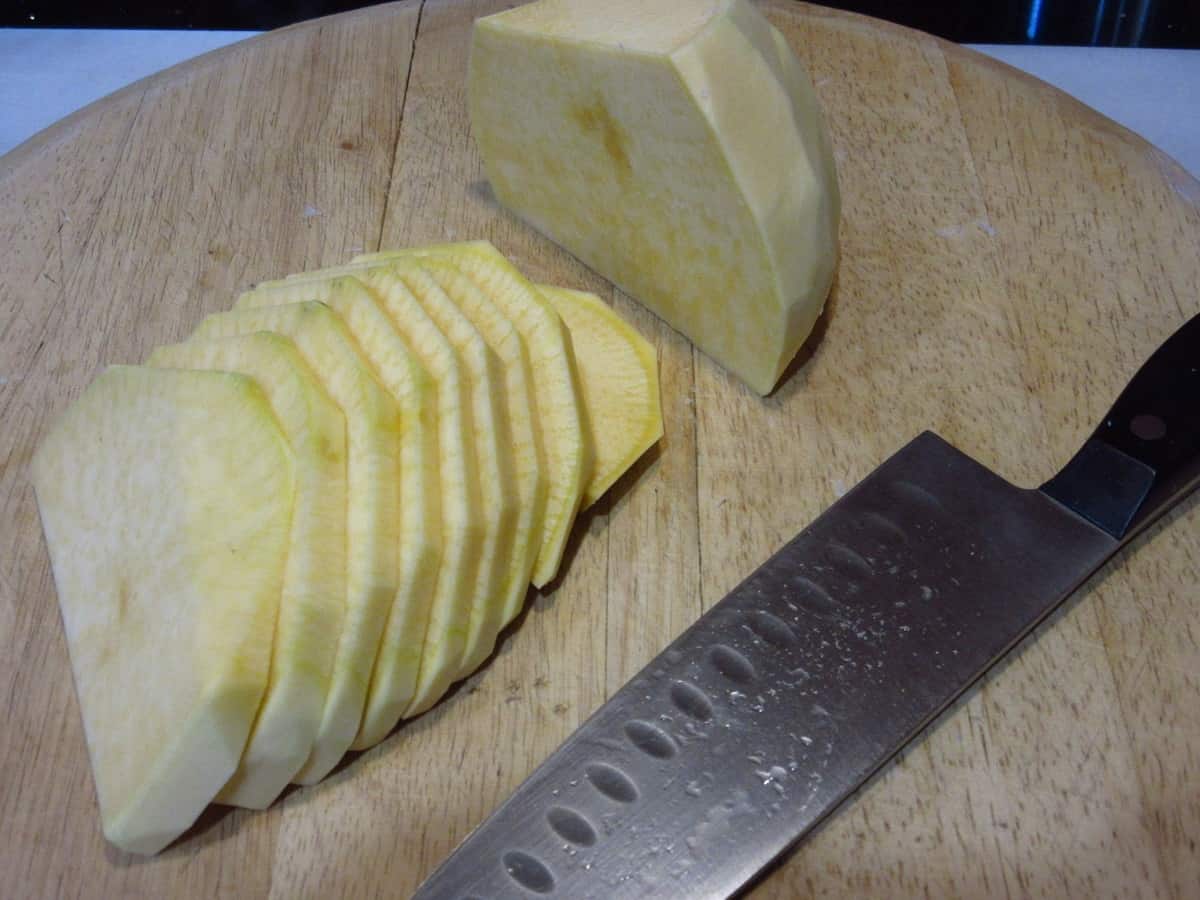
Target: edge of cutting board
x=1012, y=256
x=66, y=126
x=69, y=124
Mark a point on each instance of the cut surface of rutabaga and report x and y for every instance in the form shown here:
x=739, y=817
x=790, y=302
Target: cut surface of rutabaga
x=618, y=370
x=487, y=414
x=314, y=585
x=461, y=510
x=493, y=459
x=527, y=454
x=516, y=402
x=558, y=405
x=373, y=437
x=167, y=498
x=677, y=148
x=436, y=507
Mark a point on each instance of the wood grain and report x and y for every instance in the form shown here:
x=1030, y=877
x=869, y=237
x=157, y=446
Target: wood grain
x=1009, y=257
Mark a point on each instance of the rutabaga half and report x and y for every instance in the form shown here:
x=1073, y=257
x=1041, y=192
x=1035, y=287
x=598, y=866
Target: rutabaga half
x=677, y=148
x=314, y=583
x=166, y=498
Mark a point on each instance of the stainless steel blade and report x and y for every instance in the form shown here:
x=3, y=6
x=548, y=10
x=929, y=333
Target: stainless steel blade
x=763, y=716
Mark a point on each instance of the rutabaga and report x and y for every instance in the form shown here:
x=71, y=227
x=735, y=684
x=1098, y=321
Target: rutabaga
x=167, y=499
x=677, y=148
x=313, y=602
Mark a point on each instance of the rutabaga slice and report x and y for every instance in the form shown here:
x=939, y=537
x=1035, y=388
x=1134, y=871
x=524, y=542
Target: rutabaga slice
x=528, y=456
x=558, y=408
x=462, y=516
x=424, y=528
x=487, y=418
x=677, y=148
x=314, y=582
x=166, y=498
x=488, y=421
x=618, y=370
x=373, y=430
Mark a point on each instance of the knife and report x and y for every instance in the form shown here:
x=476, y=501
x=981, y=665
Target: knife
x=781, y=700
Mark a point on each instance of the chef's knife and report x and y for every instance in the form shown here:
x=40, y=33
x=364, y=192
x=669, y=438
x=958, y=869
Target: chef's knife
x=788, y=694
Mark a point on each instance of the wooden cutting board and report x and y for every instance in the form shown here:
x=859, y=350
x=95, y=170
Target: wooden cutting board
x=1009, y=257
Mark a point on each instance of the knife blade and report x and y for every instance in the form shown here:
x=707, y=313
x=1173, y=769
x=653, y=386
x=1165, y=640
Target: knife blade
x=768, y=712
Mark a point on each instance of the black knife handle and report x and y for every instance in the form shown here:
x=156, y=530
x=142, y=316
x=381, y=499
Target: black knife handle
x=1145, y=456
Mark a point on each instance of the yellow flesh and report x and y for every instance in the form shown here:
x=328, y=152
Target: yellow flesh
x=398, y=664
x=166, y=498
x=462, y=522
x=558, y=413
x=676, y=147
x=527, y=455
x=487, y=416
x=493, y=460
x=618, y=370
x=373, y=432
x=314, y=583
x=400, y=370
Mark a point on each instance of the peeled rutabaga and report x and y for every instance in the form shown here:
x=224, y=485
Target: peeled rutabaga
x=167, y=498
x=676, y=147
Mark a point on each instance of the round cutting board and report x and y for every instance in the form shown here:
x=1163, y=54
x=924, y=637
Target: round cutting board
x=1008, y=259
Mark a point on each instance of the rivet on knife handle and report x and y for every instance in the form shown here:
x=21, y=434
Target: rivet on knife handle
x=769, y=711
x=1146, y=452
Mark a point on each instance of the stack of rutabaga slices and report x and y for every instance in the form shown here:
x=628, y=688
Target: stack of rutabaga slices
x=278, y=539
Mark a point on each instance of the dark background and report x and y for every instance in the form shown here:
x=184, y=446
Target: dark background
x=1108, y=23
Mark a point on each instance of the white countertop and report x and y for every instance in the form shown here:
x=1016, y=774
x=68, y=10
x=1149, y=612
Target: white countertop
x=46, y=74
